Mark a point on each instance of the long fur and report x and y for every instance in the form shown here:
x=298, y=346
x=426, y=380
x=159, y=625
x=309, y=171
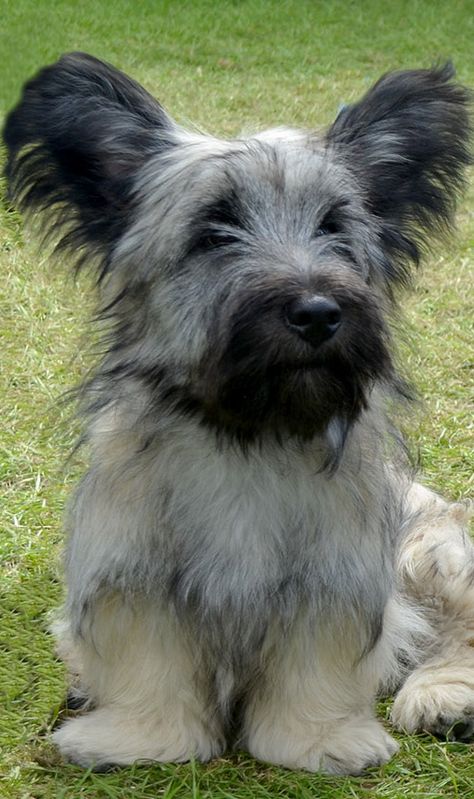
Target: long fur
x=233, y=547
x=436, y=565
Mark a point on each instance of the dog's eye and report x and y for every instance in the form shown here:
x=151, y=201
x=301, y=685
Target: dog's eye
x=328, y=227
x=211, y=239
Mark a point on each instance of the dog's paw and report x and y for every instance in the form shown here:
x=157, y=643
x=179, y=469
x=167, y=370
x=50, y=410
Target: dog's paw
x=107, y=737
x=356, y=745
x=348, y=746
x=441, y=703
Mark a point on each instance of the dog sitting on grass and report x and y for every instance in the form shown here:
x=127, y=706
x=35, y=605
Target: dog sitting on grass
x=249, y=559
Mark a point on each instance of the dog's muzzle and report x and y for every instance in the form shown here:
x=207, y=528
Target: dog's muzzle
x=315, y=319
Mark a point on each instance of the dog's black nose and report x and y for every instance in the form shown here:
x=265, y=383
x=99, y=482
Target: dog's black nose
x=315, y=319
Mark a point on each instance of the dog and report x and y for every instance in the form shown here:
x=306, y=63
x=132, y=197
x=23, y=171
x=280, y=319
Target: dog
x=249, y=559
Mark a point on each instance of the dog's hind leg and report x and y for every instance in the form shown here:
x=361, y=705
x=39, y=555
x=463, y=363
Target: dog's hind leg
x=141, y=674
x=437, y=568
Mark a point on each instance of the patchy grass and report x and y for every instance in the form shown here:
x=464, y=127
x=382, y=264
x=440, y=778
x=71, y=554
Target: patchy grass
x=224, y=65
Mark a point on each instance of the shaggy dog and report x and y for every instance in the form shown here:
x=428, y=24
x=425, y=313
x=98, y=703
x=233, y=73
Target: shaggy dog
x=249, y=560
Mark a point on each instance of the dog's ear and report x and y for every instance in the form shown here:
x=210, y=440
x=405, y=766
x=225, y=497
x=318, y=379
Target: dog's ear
x=76, y=142
x=407, y=143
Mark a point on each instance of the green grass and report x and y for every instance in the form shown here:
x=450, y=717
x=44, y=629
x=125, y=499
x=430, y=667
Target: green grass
x=225, y=66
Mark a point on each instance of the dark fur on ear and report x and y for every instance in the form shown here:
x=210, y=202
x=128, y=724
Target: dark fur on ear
x=76, y=140
x=407, y=142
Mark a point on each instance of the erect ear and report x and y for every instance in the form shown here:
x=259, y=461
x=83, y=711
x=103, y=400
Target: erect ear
x=76, y=141
x=407, y=143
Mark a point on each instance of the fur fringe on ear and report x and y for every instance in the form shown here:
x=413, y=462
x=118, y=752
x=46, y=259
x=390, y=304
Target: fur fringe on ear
x=408, y=142
x=75, y=142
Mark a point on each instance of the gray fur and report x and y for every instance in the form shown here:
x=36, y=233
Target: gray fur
x=241, y=486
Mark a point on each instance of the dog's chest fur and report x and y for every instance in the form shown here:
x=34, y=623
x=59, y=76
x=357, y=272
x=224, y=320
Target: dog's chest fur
x=263, y=538
x=234, y=537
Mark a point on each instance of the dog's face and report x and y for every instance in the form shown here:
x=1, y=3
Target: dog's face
x=249, y=279
x=265, y=311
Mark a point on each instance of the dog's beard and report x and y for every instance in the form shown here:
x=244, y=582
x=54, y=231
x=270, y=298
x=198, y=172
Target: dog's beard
x=264, y=382
x=299, y=402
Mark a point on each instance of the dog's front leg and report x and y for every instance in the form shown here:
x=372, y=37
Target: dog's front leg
x=314, y=707
x=141, y=672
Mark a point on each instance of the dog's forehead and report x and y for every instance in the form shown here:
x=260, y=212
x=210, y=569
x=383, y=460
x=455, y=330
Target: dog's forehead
x=278, y=180
x=286, y=165
x=275, y=165
x=286, y=159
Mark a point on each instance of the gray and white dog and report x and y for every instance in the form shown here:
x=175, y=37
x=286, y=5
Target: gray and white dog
x=248, y=557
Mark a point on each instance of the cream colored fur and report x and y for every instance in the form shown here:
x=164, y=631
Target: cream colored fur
x=314, y=707
x=437, y=567
x=136, y=665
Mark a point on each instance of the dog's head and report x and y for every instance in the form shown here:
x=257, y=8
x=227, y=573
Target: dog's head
x=249, y=279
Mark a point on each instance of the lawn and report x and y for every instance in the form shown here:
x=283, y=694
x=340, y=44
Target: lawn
x=225, y=66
